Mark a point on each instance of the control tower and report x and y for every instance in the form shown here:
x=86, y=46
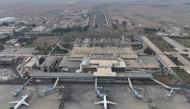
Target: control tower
x=35, y=54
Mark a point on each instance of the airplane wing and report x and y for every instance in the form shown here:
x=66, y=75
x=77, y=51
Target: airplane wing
x=25, y=103
x=109, y=102
x=14, y=102
x=101, y=102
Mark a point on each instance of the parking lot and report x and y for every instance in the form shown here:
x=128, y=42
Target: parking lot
x=15, y=50
x=101, y=42
x=6, y=74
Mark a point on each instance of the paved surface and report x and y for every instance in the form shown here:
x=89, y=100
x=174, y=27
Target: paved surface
x=157, y=95
x=162, y=57
x=180, y=48
x=174, y=43
x=160, y=54
x=80, y=96
x=7, y=54
x=103, y=42
x=14, y=50
x=182, y=59
x=6, y=74
x=70, y=75
x=141, y=42
x=14, y=66
x=37, y=101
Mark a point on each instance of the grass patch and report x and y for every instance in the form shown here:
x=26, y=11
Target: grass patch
x=185, y=56
x=166, y=79
x=182, y=74
x=174, y=59
x=44, y=49
x=183, y=41
x=149, y=51
x=58, y=50
x=162, y=44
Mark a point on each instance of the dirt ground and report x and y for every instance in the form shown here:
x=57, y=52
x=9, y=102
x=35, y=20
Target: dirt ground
x=162, y=13
x=183, y=41
x=166, y=79
x=162, y=44
x=49, y=40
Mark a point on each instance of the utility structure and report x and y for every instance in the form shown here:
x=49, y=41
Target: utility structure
x=52, y=88
x=169, y=95
x=16, y=93
x=36, y=56
x=137, y=95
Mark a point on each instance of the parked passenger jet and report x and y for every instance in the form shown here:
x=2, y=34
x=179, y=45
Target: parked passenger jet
x=22, y=101
x=105, y=102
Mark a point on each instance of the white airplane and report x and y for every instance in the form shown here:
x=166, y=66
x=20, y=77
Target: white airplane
x=22, y=101
x=105, y=102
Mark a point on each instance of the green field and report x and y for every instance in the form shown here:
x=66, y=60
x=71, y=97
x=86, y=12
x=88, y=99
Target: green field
x=174, y=59
x=162, y=44
x=58, y=50
x=166, y=79
x=183, y=41
x=182, y=74
x=186, y=56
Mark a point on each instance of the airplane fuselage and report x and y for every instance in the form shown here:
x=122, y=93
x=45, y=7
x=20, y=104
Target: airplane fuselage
x=105, y=102
x=48, y=90
x=21, y=101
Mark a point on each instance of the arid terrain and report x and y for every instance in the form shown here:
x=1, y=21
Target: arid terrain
x=51, y=40
x=162, y=13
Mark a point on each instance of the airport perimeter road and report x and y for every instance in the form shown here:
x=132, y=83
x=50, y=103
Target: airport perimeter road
x=15, y=54
x=142, y=42
x=161, y=55
x=100, y=17
x=166, y=61
x=178, y=46
x=180, y=58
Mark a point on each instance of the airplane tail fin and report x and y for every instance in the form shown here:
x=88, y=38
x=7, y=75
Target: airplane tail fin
x=25, y=103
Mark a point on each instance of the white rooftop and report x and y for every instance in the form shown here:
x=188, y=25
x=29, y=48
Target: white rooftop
x=30, y=63
x=7, y=19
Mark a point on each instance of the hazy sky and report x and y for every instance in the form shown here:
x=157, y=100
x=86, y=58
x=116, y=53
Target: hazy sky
x=6, y=4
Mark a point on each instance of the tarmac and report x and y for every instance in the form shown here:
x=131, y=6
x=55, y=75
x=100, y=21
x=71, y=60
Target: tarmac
x=83, y=96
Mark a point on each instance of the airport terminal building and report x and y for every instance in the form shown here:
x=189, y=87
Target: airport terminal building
x=97, y=60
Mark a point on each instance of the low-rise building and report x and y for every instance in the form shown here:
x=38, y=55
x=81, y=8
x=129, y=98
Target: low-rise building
x=66, y=65
x=8, y=59
x=7, y=19
x=49, y=63
x=12, y=42
x=30, y=65
x=39, y=29
x=7, y=30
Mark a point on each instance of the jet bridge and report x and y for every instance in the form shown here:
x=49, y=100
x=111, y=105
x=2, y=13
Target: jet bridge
x=16, y=93
x=167, y=87
x=137, y=95
x=56, y=82
x=52, y=88
x=96, y=80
